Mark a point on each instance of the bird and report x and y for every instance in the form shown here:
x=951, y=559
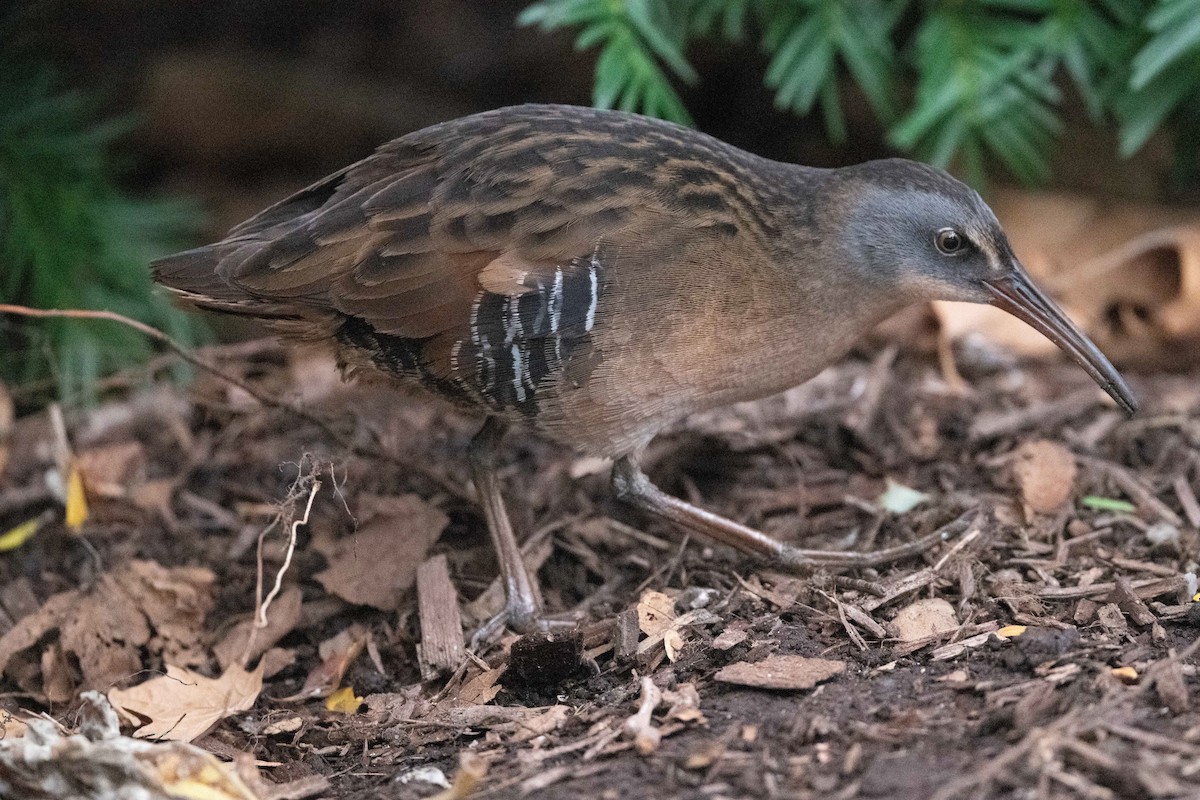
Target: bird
x=595, y=276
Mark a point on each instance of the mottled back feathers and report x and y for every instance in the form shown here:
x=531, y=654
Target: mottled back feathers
x=474, y=255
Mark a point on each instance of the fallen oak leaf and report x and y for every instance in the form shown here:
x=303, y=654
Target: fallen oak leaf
x=184, y=705
x=103, y=629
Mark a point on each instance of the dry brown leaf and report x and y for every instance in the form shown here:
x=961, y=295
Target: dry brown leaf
x=480, y=689
x=376, y=565
x=337, y=654
x=1045, y=471
x=108, y=470
x=141, y=604
x=656, y=613
x=781, y=672
x=1141, y=299
x=183, y=705
x=927, y=617
x=175, y=602
x=246, y=642
x=154, y=497
x=1128, y=274
x=58, y=685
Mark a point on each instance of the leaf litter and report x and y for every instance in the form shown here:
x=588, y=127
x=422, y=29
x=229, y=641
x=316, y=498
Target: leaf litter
x=1043, y=604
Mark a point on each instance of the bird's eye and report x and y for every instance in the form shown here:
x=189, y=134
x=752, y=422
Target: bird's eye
x=949, y=241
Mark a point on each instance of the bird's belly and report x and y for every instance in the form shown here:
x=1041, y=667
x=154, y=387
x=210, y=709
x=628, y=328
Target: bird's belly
x=627, y=398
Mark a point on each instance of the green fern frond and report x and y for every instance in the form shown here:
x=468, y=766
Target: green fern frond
x=725, y=18
x=1165, y=74
x=636, y=39
x=984, y=87
x=70, y=238
x=809, y=40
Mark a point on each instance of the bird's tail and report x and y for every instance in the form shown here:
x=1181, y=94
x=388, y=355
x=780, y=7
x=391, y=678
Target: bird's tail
x=198, y=277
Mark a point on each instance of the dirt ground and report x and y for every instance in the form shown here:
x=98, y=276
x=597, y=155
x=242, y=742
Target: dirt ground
x=1046, y=648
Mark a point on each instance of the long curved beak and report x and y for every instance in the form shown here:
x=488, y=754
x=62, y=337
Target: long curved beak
x=1016, y=294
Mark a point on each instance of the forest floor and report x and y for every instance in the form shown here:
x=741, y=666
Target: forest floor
x=1046, y=648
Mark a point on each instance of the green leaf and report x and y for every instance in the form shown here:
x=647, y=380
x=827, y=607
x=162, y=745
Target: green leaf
x=1177, y=26
x=636, y=39
x=984, y=86
x=811, y=40
x=1108, y=504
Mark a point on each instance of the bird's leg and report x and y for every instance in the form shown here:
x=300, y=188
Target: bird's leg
x=632, y=486
x=523, y=601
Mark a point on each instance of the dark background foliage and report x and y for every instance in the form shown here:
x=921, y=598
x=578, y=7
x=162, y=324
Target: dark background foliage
x=112, y=112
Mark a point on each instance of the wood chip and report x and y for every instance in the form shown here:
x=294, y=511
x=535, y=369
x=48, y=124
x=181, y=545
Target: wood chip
x=656, y=612
x=729, y=638
x=1110, y=617
x=627, y=634
x=923, y=618
x=1170, y=685
x=1125, y=598
x=788, y=673
x=441, y=648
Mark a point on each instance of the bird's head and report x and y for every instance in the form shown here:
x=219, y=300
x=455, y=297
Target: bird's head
x=928, y=236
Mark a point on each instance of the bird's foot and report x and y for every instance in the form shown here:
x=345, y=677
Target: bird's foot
x=797, y=558
x=524, y=619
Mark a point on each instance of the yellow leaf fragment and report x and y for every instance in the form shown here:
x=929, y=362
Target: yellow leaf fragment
x=77, y=505
x=343, y=701
x=19, y=535
x=194, y=775
x=1010, y=631
x=1125, y=674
